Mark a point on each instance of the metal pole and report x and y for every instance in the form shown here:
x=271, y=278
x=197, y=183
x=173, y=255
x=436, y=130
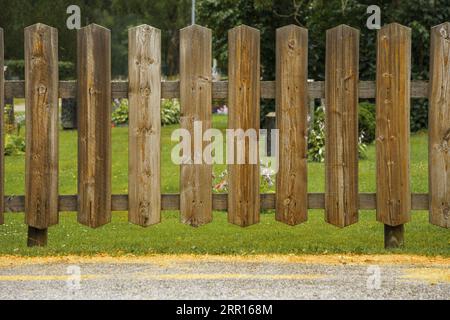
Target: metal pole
x=193, y=11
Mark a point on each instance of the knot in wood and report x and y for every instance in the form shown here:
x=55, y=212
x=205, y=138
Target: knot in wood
x=92, y=91
x=42, y=90
x=145, y=92
x=291, y=44
x=444, y=33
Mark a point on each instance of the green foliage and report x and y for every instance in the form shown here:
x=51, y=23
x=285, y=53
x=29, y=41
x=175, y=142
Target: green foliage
x=419, y=114
x=367, y=122
x=316, y=139
x=14, y=145
x=170, y=111
x=120, y=114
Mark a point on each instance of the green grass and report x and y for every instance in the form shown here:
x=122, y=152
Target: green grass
x=219, y=237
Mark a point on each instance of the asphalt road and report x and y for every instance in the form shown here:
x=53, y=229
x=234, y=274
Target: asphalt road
x=192, y=278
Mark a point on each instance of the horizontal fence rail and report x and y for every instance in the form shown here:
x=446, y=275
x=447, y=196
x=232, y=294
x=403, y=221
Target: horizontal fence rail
x=119, y=202
x=171, y=89
x=244, y=90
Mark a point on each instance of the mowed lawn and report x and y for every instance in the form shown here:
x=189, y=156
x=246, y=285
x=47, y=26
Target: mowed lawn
x=218, y=237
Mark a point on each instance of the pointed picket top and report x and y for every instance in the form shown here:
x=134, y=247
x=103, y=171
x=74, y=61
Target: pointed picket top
x=145, y=28
x=196, y=27
x=39, y=26
x=395, y=26
x=443, y=29
x=94, y=27
x=343, y=27
x=293, y=27
x=244, y=27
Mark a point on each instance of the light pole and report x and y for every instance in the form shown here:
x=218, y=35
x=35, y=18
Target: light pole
x=193, y=12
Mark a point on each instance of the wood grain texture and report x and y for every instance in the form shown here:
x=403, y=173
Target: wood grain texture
x=341, y=126
x=119, y=202
x=171, y=89
x=94, y=126
x=292, y=123
x=243, y=100
x=196, y=112
x=392, y=132
x=144, y=181
x=2, y=137
x=439, y=126
x=42, y=128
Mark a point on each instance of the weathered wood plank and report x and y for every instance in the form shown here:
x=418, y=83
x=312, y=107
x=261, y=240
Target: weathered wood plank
x=243, y=100
x=94, y=126
x=2, y=138
x=292, y=123
x=439, y=126
x=144, y=181
x=41, y=116
x=119, y=202
x=392, y=132
x=196, y=114
x=171, y=89
x=341, y=126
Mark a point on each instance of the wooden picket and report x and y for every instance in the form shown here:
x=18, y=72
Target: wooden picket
x=341, y=125
x=196, y=116
x=243, y=89
x=94, y=126
x=2, y=138
x=243, y=100
x=439, y=126
x=392, y=129
x=292, y=123
x=41, y=115
x=144, y=68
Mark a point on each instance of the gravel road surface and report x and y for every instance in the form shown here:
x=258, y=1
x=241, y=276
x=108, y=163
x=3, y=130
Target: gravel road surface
x=225, y=278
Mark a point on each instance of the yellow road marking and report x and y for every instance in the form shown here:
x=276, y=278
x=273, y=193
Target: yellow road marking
x=431, y=275
x=171, y=276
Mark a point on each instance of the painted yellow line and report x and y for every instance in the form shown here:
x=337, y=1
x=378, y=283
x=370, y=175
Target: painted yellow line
x=229, y=276
x=173, y=276
x=430, y=275
x=22, y=277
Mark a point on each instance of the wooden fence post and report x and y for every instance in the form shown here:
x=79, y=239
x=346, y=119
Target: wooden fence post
x=144, y=68
x=94, y=126
x=243, y=99
x=393, y=105
x=196, y=114
x=292, y=123
x=439, y=126
x=341, y=126
x=41, y=116
x=2, y=138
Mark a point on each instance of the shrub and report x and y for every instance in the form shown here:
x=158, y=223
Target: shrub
x=14, y=145
x=367, y=122
x=120, y=114
x=316, y=139
x=170, y=112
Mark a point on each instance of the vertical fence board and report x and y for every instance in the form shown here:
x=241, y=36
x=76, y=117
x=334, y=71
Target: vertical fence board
x=392, y=132
x=41, y=116
x=439, y=126
x=292, y=123
x=144, y=68
x=94, y=126
x=2, y=138
x=341, y=140
x=243, y=100
x=195, y=99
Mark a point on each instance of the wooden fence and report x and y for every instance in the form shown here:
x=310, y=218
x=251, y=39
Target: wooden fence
x=243, y=90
